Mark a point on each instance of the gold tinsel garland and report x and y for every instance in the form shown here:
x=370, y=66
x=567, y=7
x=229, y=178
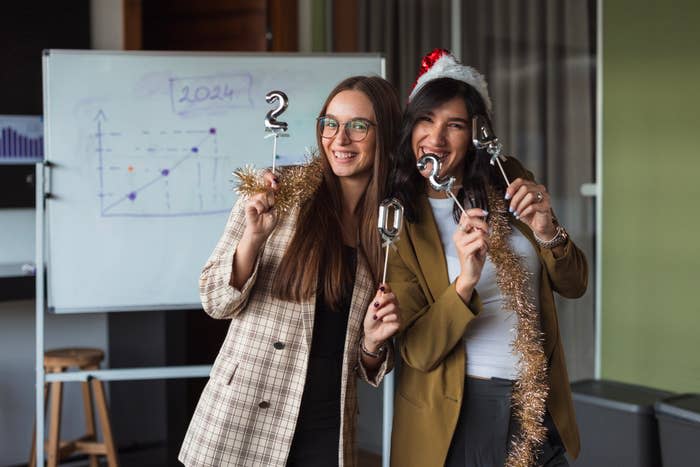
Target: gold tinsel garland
x=297, y=183
x=531, y=388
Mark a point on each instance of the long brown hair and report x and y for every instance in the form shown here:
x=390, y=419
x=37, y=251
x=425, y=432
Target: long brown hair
x=317, y=241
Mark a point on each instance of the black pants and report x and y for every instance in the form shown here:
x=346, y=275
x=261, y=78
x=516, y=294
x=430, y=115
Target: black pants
x=485, y=426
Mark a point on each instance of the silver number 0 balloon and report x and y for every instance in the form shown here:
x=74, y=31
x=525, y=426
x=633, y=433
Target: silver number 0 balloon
x=271, y=123
x=445, y=185
x=389, y=233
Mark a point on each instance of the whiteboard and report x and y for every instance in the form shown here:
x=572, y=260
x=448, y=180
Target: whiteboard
x=141, y=147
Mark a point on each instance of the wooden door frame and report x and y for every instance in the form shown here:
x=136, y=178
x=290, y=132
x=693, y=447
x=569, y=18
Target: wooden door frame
x=282, y=25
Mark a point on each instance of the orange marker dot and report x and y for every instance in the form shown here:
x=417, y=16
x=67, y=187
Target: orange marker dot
x=130, y=168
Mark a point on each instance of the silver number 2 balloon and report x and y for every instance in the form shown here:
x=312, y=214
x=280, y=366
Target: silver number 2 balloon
x=271, y=123
x=445, y=185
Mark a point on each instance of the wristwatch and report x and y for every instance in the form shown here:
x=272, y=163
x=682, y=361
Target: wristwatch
x=560, y=237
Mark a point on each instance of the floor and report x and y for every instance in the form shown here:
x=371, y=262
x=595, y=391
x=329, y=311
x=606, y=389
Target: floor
x=157, y=458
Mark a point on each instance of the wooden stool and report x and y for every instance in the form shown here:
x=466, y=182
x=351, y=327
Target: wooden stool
x=56, y=361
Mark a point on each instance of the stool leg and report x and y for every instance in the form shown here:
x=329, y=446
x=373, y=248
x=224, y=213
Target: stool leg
x=89, y=419
x=55, y=423
x=103, y=411
x=32, y=453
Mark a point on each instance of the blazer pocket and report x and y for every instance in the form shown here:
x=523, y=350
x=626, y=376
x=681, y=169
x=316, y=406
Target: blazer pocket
x=223, y=372
x=409, y=400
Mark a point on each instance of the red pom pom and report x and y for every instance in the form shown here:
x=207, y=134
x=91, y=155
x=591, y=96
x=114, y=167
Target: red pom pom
x=428, y=61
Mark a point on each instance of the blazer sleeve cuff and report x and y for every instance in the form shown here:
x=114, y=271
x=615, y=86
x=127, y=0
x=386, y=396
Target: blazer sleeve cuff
x=568, y=272
x=220, y=299
x=386, y=366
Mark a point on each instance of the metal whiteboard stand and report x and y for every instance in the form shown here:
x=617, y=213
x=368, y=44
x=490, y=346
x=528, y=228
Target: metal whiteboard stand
x=387, y=417
x=122, y=374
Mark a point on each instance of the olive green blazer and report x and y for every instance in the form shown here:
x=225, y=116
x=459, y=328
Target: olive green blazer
x=434, y=319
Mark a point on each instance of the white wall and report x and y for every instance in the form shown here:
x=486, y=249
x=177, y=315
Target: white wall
x=16, y=236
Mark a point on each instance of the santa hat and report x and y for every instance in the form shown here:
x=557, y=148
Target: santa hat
x=440, y=63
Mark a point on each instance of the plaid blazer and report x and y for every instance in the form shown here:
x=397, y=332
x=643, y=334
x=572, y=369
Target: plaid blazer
x=247, y=413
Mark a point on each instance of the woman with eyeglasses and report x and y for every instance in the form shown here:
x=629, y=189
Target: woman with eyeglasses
x=301, y=292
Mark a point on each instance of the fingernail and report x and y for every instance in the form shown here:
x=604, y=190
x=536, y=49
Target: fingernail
x=507, y=196
x=374, y=317
x=376, y=304
x=382, y=288
x=510, y=209
x=486, y=213
x=515, y=213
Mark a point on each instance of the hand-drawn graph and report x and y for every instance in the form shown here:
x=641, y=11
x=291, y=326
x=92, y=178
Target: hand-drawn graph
x=160, y=172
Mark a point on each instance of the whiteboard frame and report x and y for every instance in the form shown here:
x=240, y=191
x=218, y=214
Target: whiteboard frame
x=47, y=137
x=43, y=191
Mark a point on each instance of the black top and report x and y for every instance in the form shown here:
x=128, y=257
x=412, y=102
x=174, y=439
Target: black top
x=317, y=434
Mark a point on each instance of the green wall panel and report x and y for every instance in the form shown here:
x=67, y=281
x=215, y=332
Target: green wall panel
x=651, y=195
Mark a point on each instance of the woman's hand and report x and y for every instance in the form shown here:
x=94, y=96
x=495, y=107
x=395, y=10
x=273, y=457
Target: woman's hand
x=381, y=320
x=260, y=221
x=472, y=241
x=531, y=204
x=260, y=215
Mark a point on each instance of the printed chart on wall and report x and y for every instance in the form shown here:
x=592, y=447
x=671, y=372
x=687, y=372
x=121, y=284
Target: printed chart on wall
x=143, y=146
x=21, y=139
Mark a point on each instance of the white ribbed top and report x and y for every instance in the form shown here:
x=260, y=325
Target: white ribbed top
x=489, y=336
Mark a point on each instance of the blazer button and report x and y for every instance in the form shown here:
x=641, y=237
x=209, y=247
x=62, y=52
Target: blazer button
x=278, y=345
x=264, y=404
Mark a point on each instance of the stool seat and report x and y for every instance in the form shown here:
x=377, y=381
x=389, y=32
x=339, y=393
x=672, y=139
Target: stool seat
x=57, y=361
x=73, y=357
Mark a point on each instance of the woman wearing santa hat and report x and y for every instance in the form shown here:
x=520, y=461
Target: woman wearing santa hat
x=483, y=380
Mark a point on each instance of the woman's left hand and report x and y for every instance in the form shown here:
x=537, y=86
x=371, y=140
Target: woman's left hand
x=531, y=204
x=381, y=320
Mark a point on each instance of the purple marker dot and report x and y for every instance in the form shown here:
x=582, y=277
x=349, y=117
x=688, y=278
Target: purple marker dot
x=132, y=195
x=164, y=172
x=212, y=131
x=195, y=149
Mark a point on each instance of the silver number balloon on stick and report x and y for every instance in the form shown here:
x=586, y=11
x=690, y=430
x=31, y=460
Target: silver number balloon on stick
x=483, y=137
x=435, y=183
x=389, y=232
x=276, y=128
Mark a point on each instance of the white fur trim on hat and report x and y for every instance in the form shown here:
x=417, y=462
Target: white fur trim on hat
x=448, y=67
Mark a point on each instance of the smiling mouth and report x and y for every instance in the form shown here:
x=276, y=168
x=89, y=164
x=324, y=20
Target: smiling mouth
x=344, y=155
x=441, y=156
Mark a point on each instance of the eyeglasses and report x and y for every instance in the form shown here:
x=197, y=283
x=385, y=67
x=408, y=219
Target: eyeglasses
x=355, y=129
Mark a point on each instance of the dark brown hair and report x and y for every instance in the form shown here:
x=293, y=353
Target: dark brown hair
x=407, y=183
x=317, y=241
